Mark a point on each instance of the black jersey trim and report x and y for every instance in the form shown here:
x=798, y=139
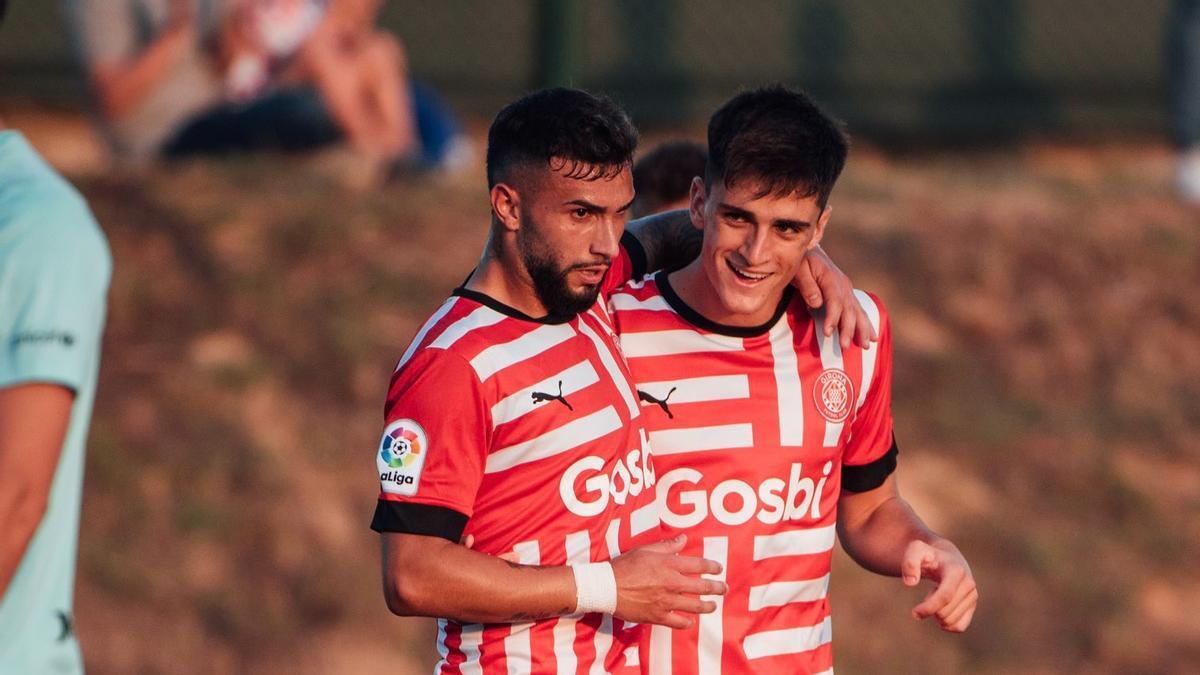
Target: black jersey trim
x=508, y=310
x=413, y=518
x=870, y=476
x=637, y=255
x=704, y=323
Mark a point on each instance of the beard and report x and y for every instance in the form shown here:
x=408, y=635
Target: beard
x=550, y=280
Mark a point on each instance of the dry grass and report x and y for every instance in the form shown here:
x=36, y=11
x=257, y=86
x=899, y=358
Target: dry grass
x=1047, y=397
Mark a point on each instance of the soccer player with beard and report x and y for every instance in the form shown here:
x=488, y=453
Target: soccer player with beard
x=769, y=436
x=511, y=420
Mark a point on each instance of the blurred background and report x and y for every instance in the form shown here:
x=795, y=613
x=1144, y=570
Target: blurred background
x=1013, y=195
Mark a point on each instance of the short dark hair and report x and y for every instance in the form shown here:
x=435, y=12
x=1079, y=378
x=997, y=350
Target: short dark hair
x=664, y=175
x=778, y=138
x=590, y=133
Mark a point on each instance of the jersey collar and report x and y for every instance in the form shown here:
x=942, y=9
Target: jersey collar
x=508, y=310
x=704, y=323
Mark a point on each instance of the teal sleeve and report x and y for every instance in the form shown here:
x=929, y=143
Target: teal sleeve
x=54, y=276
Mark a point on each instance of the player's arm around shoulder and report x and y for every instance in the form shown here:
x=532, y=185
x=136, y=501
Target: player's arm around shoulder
x=882, y=533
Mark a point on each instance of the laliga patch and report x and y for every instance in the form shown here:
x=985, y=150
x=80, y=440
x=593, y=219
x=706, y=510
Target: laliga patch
x=833, y=393
x=401, y=455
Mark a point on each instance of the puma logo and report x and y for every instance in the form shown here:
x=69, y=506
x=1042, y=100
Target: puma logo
x=662, y=402
x=539, y=397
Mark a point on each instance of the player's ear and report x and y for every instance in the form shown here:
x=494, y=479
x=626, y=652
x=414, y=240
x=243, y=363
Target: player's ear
x=819, y=231
x=697, y=198
x=506, y=206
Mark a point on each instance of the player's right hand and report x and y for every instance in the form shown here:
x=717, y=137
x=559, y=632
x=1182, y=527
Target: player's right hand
x=657, y=585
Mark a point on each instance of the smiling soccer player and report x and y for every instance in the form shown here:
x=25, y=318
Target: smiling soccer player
x=770, y=436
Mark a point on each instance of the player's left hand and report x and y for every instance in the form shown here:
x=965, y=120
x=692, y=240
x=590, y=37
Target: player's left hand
x=822, y=283
x=954, y=598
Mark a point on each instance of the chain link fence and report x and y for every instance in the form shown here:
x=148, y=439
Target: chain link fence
x=956, y=67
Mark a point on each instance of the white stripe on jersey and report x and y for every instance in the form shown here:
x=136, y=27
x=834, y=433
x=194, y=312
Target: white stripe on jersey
x=698, y=389
x=695, y=439
x=619, y=379
x=870, y=354
x=795, y=542
x=611, y=538
x=472, y=638
x=517, y=645
x=573, y=379
x=666, y=342
x=787, y=640
x=500, y=356
x=603, y=642
x=579, y=550
x=780, y=593
x=660, y=650
x=644, y=519
x=625, y=301
x=579, y=546
x=831, y=357
x=631, y=656
x=564, y=644
x=556, y=441
x=416, y=341
x=711, y=626
x=517, y=650
x=482, y=317
x=789, y=391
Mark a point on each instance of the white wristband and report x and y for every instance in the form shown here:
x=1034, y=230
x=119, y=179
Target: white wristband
x=595, y=588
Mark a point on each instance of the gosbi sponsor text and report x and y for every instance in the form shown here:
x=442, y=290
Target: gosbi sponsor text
x=682, y=504
x=586, y=487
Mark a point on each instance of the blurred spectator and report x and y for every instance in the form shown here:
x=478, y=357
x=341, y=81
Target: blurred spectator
x=147, y=66
x=362, y=75
x=54, y=275
x=1184, y=64
x=185, y=77
x=662, y=178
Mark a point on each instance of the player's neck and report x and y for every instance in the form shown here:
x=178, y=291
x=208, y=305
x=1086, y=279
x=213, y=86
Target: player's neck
x=698, y=292
x=502, y=276
x=691, y=285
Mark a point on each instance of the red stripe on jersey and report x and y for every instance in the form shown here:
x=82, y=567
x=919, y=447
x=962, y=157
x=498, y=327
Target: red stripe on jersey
x=750, y=430
x=450, y=646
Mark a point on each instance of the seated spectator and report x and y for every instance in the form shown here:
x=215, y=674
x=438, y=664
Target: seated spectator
x=147, y=65
x=662, y=178
x=289, y=75
x=356, y=72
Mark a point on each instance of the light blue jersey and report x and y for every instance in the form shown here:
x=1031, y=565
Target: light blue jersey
x=54, y=274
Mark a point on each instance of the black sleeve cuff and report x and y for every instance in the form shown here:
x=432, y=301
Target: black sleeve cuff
x=411, y=518
x=637, y=254
x=870, y=476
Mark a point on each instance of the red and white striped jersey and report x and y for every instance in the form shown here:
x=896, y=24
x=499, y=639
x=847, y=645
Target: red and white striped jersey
x=755, y=432
x=525, y=433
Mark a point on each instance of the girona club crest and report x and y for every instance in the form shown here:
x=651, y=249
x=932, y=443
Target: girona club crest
x=833, y=393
